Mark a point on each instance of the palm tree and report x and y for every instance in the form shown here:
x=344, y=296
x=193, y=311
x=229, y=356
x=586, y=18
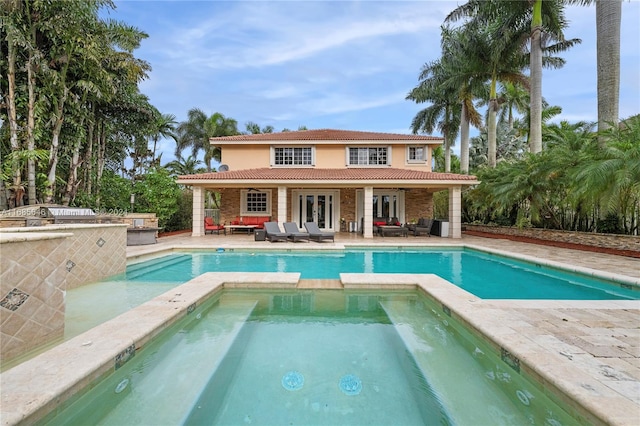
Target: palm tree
x=608, y=21
x=535, y=22
x=445, y=109
x=163, y=127
x=614, y=173
x=183, y=166
x=512, y=97
x=196, y=131
x=467, y=76
x=497, y=59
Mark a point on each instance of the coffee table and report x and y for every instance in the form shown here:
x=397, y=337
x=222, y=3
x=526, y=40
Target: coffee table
x=246, y=228
x=391, y=230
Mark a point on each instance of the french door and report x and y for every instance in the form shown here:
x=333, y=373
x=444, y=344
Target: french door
x=314, y=206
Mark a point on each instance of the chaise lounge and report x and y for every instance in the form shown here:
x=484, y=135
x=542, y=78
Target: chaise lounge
x=295, y=234
x=316, y=234
x=273, y=232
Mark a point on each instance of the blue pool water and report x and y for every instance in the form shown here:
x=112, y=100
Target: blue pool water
x=486, y=276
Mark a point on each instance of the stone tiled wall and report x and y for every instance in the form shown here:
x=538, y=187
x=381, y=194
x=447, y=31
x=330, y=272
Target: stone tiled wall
x=32, y=285
x=619, y=242
x=38, y=265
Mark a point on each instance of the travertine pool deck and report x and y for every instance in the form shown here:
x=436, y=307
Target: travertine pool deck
x=586, y=351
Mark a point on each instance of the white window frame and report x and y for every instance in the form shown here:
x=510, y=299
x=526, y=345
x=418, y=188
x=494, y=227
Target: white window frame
x=244, y=202
x=413, y=160
x=273, y=155
x=348, y=156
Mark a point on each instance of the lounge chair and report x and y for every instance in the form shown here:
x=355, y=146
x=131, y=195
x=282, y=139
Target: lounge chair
x=316, y=234
x=274, y=233
x=210, y=226
x=295, y=234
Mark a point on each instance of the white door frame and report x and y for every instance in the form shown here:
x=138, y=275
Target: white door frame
x=379, y=193
x=331, y=212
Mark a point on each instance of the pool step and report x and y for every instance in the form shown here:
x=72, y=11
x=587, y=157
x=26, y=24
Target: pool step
x=320, y=284
x=138, y=269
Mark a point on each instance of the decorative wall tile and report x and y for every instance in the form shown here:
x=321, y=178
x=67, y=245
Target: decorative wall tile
x=125, y=356
x=14, y=299
x=510, y=359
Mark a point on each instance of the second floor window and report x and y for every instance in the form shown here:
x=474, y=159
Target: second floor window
x=377, y=156
x=293, y=156
x=417, y=154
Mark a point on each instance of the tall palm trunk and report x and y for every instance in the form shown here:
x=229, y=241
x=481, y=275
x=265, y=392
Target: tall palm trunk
x=11, y=106
x=608, y=16
x=464, y=139
x=492, y=123
x=31, y=139
x=535, y=116
x=447, y=142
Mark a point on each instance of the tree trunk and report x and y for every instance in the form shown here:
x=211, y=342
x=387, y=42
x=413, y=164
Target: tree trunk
x=88, y=158
x=608, y=17
x=11, y=113
x=53, y=150
x=73, y=182
x=535, y=114
x=31, y=139
x=102, y=147
x=492, y=132
x=464, y=140
x=492, y=124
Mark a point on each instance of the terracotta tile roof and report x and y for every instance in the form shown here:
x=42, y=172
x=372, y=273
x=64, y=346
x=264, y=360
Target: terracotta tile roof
x=327, y=135
x=309, y=174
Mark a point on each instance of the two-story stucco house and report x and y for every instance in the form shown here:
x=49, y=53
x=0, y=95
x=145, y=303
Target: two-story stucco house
x=330, y=177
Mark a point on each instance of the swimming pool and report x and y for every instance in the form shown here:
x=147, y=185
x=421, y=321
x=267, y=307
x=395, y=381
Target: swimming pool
x=329, y=357
x=485, y=275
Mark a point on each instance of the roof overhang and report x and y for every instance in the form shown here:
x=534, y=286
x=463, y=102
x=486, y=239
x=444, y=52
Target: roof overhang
x=328, y=178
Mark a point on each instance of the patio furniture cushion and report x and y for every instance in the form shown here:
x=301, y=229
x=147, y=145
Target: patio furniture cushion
x=274, y=233
x=258, y=221
x=294, y=232
x=316, y=234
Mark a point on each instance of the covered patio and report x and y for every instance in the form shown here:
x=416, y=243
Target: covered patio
x=329, y=197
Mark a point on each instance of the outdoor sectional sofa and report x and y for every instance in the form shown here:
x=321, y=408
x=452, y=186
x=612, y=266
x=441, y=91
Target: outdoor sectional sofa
x=258, y=221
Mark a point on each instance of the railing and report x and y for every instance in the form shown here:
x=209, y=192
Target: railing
x=214, y=213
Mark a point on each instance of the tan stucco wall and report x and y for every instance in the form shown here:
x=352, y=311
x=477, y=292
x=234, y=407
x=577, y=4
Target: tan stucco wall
x=327, y=157
x=242, y=157
x=330, y=156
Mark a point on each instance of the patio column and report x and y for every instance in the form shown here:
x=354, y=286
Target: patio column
x=368, y=212
x=455, y=212
x=282, y=204
x=198, y=212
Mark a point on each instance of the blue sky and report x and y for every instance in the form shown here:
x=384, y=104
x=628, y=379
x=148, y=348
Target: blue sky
x=333, y=64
